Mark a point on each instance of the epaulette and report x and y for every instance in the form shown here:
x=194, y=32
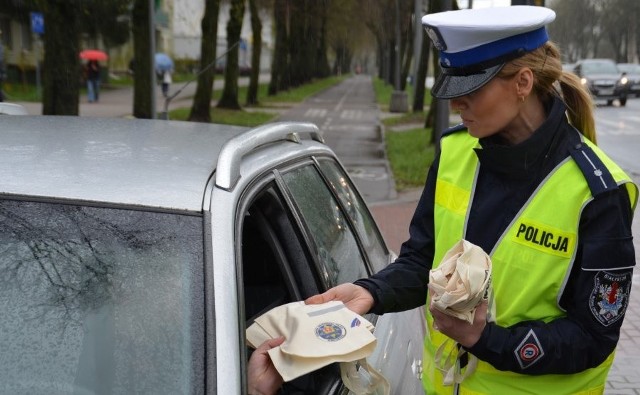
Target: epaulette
x=595, y=172
x=457, y=128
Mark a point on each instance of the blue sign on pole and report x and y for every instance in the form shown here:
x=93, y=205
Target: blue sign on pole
x=37, y=22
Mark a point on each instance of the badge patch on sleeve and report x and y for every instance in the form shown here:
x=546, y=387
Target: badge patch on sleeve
x=529, y=351
x=610, y=296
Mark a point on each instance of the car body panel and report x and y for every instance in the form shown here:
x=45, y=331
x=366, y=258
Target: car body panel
x=142, y=163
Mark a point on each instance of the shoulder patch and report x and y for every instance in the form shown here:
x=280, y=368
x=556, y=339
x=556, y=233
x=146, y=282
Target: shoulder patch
x=529, y=351
x=610, y=296
x=457, y=128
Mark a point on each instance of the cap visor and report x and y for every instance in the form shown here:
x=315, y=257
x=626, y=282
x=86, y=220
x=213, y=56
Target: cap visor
x=448, y=86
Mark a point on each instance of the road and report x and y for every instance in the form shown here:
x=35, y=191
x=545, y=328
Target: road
x=348, y=116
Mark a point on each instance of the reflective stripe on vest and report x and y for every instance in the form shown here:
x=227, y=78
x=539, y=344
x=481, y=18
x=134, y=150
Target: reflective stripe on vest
x=531, y=263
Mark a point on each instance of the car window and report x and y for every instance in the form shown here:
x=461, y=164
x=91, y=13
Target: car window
x=100, y=300
x=336, y=248
x=357, y=211
x=278, y=268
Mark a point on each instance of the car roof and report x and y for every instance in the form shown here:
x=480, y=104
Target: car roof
x=137, y=162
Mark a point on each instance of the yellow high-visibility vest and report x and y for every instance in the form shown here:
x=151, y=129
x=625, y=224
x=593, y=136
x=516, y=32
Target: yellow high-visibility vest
x=531, y=261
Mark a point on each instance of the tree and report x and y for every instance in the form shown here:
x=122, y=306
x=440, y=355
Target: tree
x=143, y=86
x=421, y=74
x=201, y=107
x=61, y=66
x=280, y=63
x=256, y=48
x=429, y=122
x=229, y=97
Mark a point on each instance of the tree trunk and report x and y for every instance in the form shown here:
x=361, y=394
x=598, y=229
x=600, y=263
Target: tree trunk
x=301, y=43
x=201, y=107
x=322, y=62
x=256, y=49
x=61, y=65
x=229, y=97
x=407, y=52
x=280, y=64
x=421, y=75
x=143, y=86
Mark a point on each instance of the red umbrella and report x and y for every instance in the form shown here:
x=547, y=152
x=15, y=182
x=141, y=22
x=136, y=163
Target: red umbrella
x=93, y=54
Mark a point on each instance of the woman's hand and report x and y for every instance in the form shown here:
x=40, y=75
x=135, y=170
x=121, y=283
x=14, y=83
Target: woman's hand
x=262, y=376
x=356, y=298
x=460, y=330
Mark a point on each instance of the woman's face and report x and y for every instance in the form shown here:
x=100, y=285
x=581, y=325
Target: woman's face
x=492, y=109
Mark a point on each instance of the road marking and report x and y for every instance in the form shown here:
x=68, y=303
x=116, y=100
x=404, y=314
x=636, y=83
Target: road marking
x=351, y=114
x=315, y=113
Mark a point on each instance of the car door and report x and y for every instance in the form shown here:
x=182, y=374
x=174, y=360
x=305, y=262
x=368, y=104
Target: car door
x=306, y=229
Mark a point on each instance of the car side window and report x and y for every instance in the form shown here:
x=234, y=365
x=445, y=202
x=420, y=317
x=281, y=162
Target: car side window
x=277, y=269
x=336, y=248
x=358, y=213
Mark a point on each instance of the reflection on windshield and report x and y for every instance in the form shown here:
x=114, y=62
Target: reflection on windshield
x=97, y=300
x=600, y=67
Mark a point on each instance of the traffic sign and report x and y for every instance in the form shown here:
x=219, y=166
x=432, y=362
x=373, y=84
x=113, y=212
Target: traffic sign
x=37, y=23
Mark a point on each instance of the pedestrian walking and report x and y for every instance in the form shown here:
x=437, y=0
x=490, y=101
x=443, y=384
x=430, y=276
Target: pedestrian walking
x=166, y=82
x=522, y=178
x=93, y=80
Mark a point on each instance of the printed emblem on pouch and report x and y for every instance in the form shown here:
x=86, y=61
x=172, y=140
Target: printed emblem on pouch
x=529, y=351
x=355, y=322
x=610, y=296
x=330, y=331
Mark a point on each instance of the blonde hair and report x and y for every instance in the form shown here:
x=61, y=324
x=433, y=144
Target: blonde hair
x=546, y=66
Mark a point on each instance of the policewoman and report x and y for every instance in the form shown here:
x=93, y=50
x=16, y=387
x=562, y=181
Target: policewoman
x=522, y=178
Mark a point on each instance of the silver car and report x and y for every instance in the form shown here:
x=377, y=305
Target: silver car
x=134, y=254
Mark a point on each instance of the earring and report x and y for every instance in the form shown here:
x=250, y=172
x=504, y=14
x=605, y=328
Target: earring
x=522, y=99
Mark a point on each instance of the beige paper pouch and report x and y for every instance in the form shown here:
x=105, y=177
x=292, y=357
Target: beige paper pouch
x=316, y=336
x=458, y=285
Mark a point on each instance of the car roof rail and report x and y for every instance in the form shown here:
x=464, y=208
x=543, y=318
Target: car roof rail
x=232, y=152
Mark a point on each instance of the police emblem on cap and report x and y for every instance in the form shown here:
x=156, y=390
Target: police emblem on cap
x=436, y=38
x=610, y=296
x=330, y=331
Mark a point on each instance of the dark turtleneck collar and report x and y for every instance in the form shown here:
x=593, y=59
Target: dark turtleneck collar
x=525, y=159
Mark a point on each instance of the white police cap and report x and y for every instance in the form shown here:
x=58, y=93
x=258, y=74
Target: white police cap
x=475, y=44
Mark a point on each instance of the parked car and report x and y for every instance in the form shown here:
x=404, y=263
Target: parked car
x=632, y=72
x=136, y=252
x=603, y=79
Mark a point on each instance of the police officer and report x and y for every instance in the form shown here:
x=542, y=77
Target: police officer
x=522, y=178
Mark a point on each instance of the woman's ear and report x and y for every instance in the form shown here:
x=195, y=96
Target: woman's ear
x=524, y=82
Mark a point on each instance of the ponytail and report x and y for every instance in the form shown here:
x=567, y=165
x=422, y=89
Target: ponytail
x=546, y=66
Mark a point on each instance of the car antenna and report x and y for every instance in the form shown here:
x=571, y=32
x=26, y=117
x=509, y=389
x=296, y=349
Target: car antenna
x=165, y=114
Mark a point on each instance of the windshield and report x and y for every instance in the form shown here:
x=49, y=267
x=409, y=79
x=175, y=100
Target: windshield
x=99, y=301
x=600, y=68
